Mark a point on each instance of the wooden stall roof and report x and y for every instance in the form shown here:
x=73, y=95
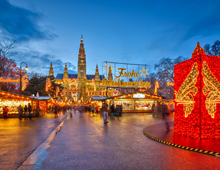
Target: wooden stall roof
x=11, y=95
x=130, y=96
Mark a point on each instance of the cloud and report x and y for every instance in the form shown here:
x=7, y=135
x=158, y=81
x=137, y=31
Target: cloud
x=40, y=63
x=21, y=24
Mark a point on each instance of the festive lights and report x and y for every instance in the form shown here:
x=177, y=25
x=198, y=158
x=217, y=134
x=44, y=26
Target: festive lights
x=211, y=90
x=204, y=93
x=187, y=91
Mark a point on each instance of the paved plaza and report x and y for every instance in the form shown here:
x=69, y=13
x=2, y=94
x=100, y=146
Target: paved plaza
x=86, y=143
x=18, y=139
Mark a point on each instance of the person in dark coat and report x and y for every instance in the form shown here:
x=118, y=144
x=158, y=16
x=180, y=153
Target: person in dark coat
x=5, y=112
x=20, y=112
x=120, y=107
x=55, y=111
x=112, y=109
x=29, y=110
x=25, y=112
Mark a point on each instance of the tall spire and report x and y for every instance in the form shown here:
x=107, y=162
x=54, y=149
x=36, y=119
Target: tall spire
x=65, y=75
x=51, y=70
x=81, y=60
x=97, y=77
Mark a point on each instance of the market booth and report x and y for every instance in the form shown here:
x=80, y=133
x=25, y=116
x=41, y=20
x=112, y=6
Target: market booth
x=13, y=100
x=135, y=102
x=42, y=103
x=97, y=101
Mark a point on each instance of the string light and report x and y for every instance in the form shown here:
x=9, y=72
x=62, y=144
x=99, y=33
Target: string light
x=202, y=122
x=211, y=90
x=184, y=95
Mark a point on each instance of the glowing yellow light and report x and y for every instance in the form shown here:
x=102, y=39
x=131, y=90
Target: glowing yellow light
x=184, y=95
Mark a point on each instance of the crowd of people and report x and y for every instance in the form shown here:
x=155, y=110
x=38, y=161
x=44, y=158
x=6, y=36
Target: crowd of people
x=159, y=109
x=26, y=111
x=105, y=110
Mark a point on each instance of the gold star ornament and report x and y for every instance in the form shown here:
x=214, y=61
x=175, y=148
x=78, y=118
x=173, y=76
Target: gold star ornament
x=144, y=72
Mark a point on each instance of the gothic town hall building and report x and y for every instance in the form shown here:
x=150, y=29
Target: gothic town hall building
x=79, y=87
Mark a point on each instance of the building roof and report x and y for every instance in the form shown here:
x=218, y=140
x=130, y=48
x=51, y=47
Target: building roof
x=98, y=98
x=41, y=97
x=74, y=76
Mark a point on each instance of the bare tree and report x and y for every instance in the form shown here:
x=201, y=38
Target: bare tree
x=214, y=49
x=165, y=73
x=7, y=48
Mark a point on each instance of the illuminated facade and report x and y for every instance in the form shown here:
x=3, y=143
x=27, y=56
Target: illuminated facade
x=197, y=96
x=80, y=87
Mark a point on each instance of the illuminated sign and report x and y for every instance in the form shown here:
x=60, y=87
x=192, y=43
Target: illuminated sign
x=139, y=96
x=111, y=82
x=131, y=74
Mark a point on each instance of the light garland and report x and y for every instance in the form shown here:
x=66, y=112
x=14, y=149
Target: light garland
x=184, y=95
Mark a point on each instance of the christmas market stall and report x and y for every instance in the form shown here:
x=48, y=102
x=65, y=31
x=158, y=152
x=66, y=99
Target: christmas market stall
x=135, y=102
x=42, y=104
x=12, y=101
x=97, y=101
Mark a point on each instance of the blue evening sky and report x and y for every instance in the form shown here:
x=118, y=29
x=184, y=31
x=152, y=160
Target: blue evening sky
x=134, y=31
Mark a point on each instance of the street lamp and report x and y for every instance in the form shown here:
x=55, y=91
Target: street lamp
x=26, y=68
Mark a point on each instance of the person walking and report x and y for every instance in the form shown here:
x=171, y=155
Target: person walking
x=26, y=112
x=120, y=108
x=5, y=112
x=105, y=112
x=112, y=109
x=153, y=109
x=92, y=109
x=20, y=112
x=117, y=110
x=166, y=115
x=97, y=109
x=55, y=111
x=29, y=110
x=71, y=111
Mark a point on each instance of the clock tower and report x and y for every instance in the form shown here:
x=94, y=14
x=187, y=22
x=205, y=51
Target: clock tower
x=82, y=96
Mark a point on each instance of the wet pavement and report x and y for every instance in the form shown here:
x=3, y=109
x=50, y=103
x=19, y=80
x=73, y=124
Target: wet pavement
x=86, y=143
x=18, y=139
x=157, y=131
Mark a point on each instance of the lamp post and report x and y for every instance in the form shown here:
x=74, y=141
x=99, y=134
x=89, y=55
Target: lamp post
x=26, y=68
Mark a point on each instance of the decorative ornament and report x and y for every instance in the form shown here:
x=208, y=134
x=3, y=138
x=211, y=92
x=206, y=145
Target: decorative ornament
x=187, y=91
x=144, y=72
x=211, y=89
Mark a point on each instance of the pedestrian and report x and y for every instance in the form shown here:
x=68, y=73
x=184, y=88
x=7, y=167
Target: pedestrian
x=117, y=110
x=20, y=112
x=92, y=109
x=81, y=109
x=166, y=115
x=112, y=109
x=120, y=109
x=153, y=109
x=55, y=111
x=105, y=112
x=5, y=112
x=71, y=111
x=29, y=110
x=97, y=109
x=26, y=112
x=74, y=108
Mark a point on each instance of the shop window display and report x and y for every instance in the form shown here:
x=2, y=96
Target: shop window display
x=12, y=105
x=143, y=105
x=126, y=105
